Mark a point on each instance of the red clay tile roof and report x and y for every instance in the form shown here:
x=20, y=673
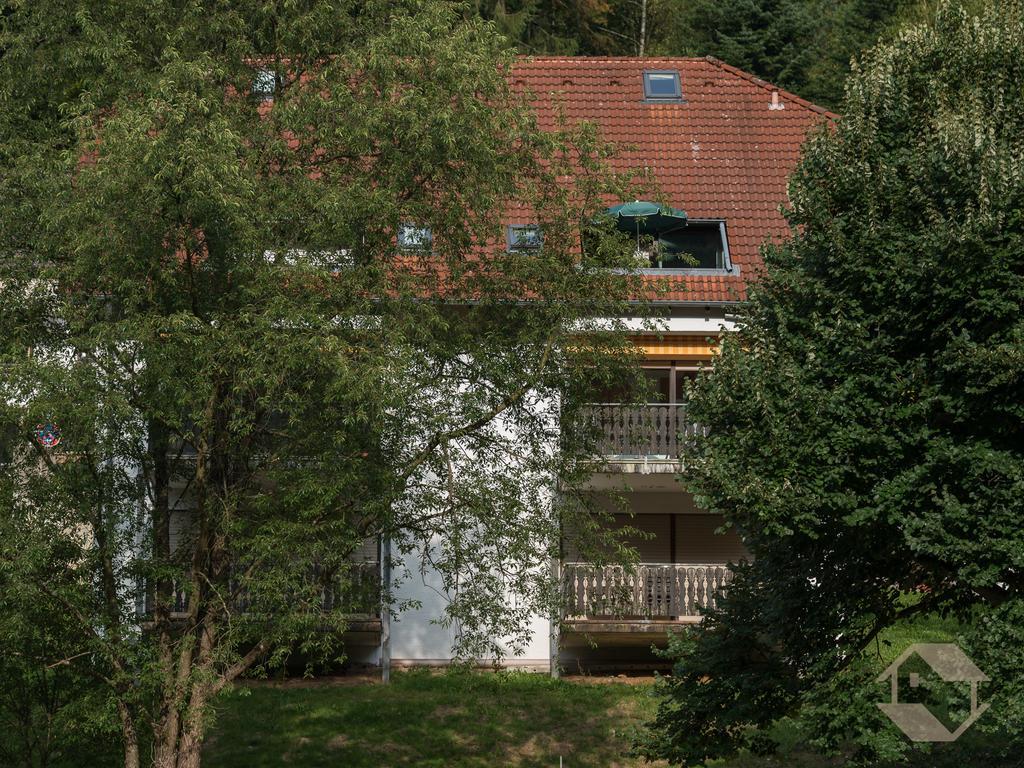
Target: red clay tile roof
x=721, y=153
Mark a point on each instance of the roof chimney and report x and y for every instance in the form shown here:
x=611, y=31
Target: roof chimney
x=776, y=101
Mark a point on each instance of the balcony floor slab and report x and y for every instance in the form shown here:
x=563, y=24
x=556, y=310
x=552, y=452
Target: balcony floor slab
x=643, y=466
x=623, y=634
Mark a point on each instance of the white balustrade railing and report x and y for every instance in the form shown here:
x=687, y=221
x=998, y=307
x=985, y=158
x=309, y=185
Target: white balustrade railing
x=640, y=430
x=648, y=590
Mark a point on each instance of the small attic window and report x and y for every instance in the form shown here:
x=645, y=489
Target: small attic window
x=264, y=84
x=524, y=237
x=662, y=85
x=414, y=237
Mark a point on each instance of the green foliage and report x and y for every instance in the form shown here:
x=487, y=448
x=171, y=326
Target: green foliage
x=203, y=288
x=52, y=711
x=866, y=426
x=802, y=45
x=541, y=27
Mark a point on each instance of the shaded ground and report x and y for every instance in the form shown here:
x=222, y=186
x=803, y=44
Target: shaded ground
x=463, y=719
x=428, y=719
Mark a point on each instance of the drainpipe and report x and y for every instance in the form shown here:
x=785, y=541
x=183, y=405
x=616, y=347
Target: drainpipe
x=556, y=571
x=385, y=610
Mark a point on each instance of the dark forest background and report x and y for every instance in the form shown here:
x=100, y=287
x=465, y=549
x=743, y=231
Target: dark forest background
x=802, y=45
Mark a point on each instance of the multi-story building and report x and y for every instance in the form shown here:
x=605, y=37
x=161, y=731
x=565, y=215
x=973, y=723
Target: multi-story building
x=719, y=144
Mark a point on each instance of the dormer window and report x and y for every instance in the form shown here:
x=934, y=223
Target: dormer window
x=413, y=237
x=264, y=84
x=524, y=237
x=662, y=85
x=700, y=245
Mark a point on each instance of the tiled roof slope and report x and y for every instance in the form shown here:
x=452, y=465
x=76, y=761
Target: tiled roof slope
x=721, y=153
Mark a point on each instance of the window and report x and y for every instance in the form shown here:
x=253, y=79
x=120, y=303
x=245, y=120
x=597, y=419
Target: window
x=330, y=259
x=264, y=84
x=412, y=237
x=698, y=245
x=667, y=383
x=662, y=85
x=684, y=377
x=335, y=261
x=659, y=384
x=524, y=237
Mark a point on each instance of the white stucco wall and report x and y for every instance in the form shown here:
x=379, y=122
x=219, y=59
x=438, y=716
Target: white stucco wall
x=417, y=637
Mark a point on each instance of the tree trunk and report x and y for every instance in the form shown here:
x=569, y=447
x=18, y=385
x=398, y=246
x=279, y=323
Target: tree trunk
x=190, y=752
x=191, y=755
x=179, y=744
x=643, y=28
x=185, y=751
x=165, y=742
x=130, y=736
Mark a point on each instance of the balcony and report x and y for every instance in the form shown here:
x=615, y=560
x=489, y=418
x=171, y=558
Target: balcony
x=625, y=433
x=641, y=598
x=359, y=599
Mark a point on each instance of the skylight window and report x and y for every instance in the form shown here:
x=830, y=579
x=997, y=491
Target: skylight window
x=662, y=85
x=413, y=237
x=524, y=237
x=264, y=84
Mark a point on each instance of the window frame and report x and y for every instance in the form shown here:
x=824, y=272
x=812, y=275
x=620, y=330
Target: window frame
x=648, y=77
x=513, y=247
x=264, y=84
x=426, y=244
x=672, y=366
x=727, y=268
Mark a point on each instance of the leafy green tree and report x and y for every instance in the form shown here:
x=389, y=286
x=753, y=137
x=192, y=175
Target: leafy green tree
x=580, y=27
x=201, y=287
x=802, y=45
x=559, y=28
x=766, y=37
x=867, y=425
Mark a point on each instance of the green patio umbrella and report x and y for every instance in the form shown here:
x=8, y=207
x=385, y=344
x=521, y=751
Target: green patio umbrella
x=645, y=218
x=651, y=219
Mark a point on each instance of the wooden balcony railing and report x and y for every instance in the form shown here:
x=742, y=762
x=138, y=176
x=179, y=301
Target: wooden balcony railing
x=639, y=430
x=359, y=597
x=646, y=591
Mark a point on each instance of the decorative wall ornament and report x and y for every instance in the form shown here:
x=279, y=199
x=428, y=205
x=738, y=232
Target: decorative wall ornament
x=48, y=434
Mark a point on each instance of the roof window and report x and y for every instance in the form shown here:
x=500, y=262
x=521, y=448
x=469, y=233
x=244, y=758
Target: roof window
x=524, y=237
x=264, y=84
x=662, y=85
x=414, y=237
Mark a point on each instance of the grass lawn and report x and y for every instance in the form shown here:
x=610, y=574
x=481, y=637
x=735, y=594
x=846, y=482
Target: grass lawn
x=465, y=719
x=429, y=719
